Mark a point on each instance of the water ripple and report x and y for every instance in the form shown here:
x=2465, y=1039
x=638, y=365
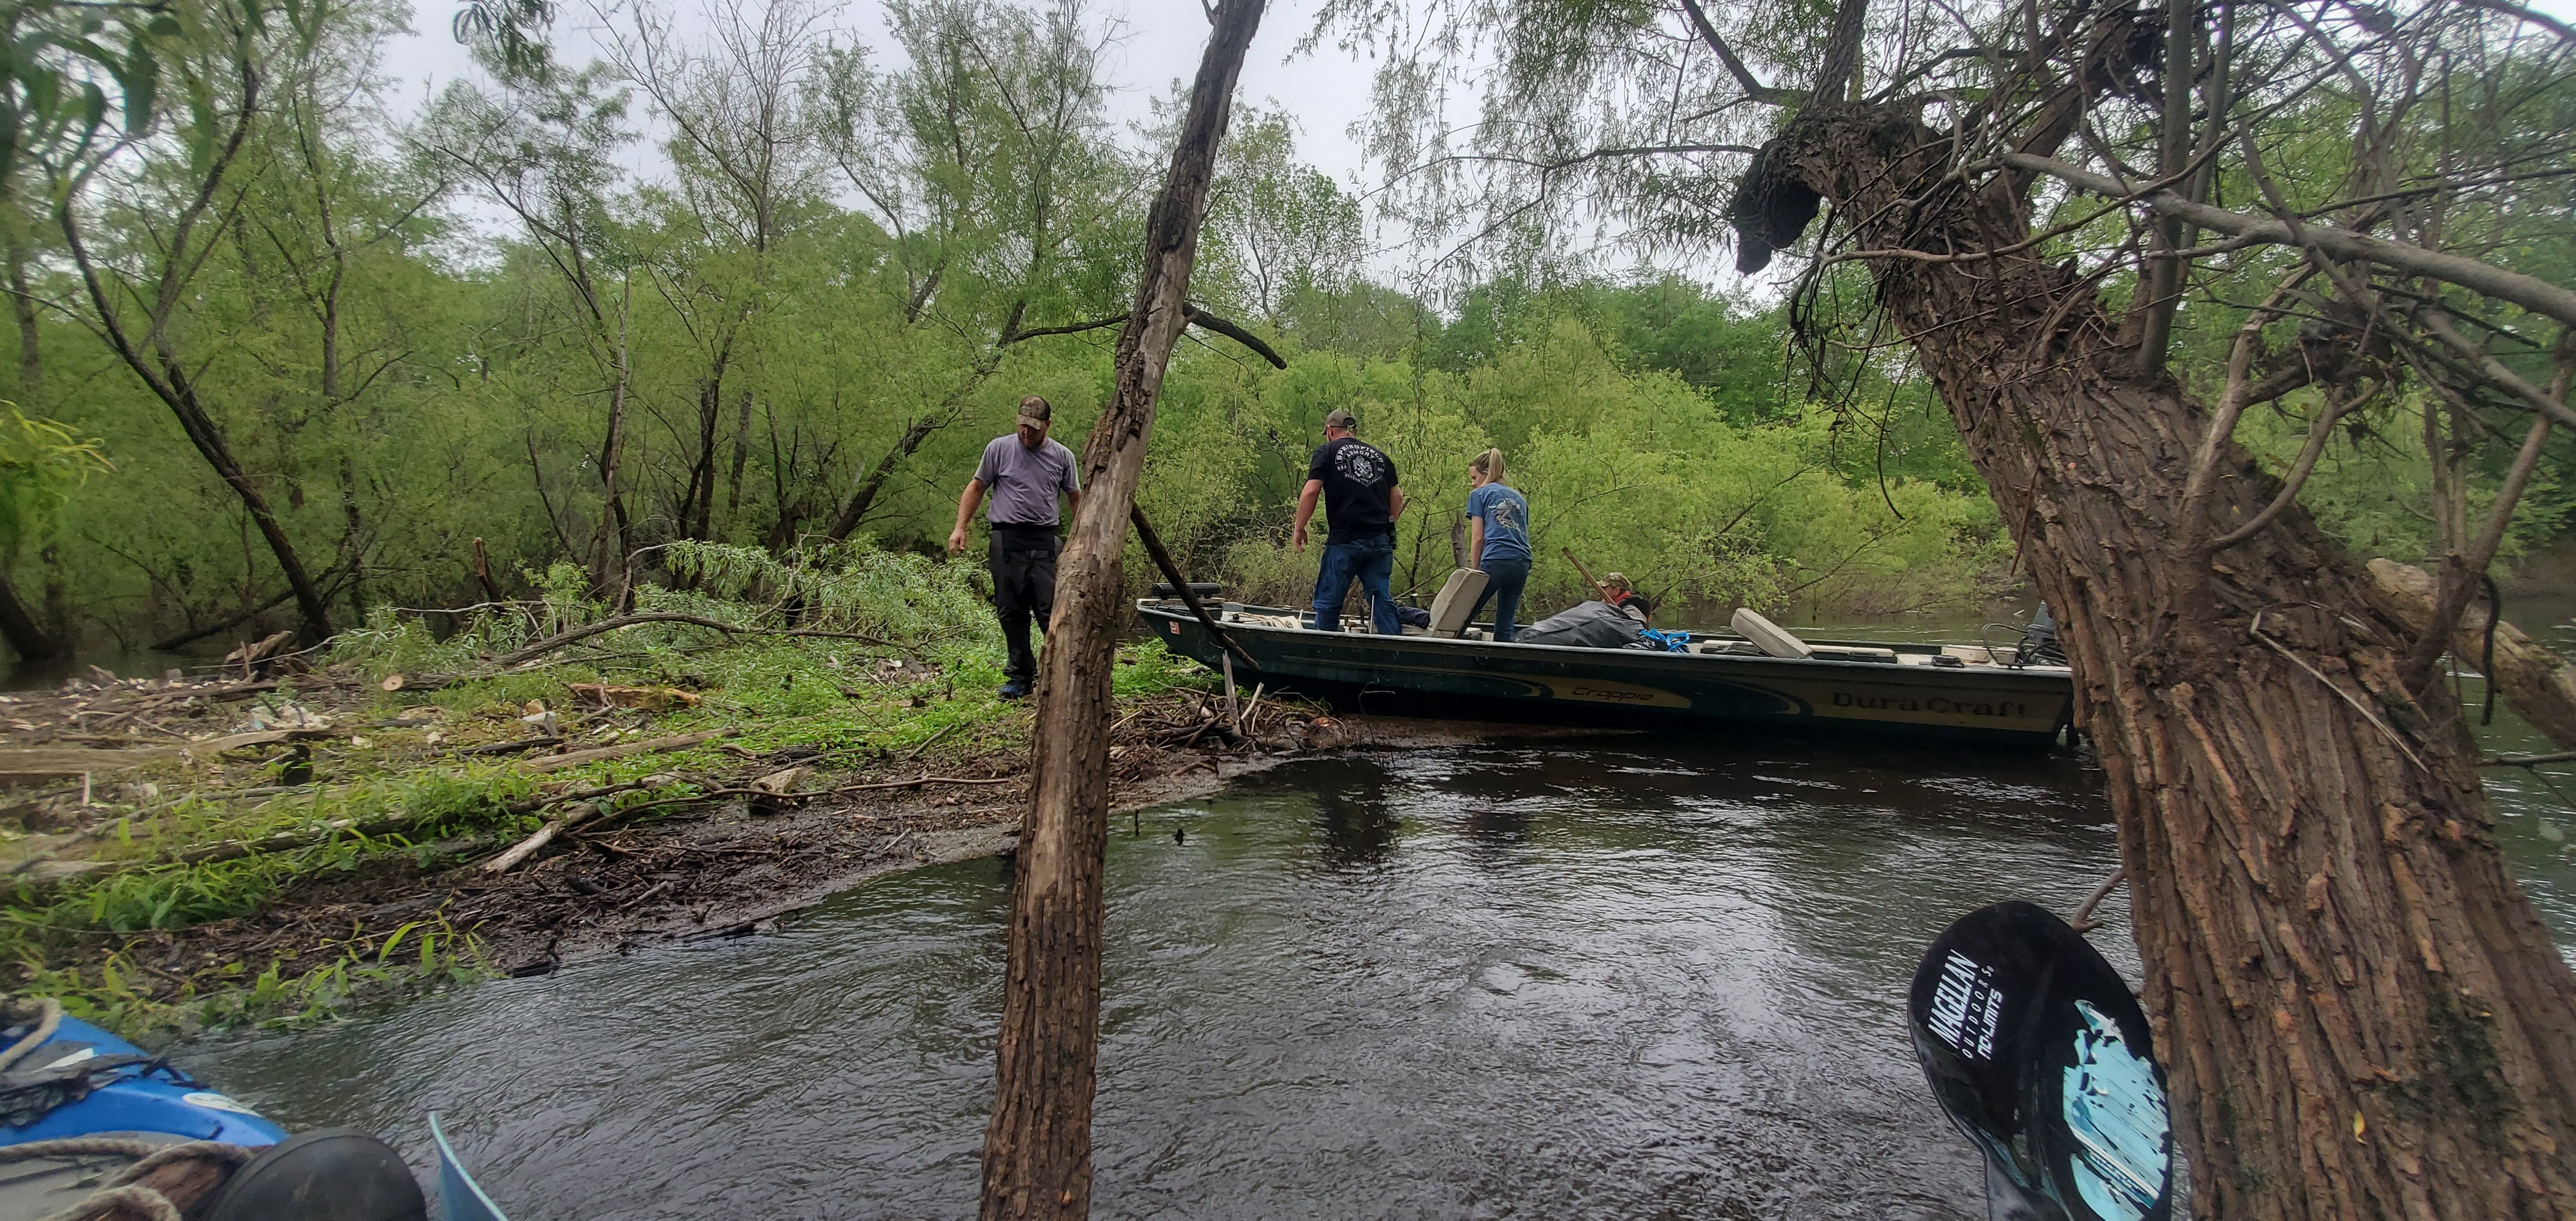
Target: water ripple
x=1617, y=981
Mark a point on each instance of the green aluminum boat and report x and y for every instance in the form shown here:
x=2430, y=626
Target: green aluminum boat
x=1952, y=691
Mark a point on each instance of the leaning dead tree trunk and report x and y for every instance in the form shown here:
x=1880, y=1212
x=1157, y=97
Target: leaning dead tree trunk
x=1037, y=1146
x=2359, y=1011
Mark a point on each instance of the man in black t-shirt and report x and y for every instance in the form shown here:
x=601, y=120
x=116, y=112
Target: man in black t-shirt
x=1356, y=482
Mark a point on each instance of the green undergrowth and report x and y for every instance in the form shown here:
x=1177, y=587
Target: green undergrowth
x=909, y=683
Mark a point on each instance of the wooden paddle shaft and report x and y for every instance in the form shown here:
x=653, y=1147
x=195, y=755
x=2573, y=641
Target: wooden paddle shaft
x=1604, y=590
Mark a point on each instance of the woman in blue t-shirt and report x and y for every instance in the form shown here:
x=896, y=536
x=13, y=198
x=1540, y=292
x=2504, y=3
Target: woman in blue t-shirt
x=1497, y=540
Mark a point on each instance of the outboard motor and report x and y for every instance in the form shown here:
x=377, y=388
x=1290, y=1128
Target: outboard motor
x=2039, y=641
x=2037, y=1050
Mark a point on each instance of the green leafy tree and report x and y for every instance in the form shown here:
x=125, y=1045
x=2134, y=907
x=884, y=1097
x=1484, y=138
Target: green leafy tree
x=142, y=217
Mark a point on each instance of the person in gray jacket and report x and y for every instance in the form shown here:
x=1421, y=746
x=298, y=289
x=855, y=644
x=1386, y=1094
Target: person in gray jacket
x=1595, y=624
x=1024, y=470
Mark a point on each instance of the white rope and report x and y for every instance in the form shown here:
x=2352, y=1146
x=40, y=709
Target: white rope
x=51, y=1020
x=122, y=1193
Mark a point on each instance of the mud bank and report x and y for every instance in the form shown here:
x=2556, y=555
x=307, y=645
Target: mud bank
x=192, y=851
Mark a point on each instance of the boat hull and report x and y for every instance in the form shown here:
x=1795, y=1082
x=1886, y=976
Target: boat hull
x=140, y=1097
x=1480, y=680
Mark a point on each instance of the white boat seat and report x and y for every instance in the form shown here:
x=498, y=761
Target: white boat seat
x=1770, y=637
x=1457, y=599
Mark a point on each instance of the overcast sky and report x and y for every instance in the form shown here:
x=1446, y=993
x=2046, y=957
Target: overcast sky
x=1160, y=43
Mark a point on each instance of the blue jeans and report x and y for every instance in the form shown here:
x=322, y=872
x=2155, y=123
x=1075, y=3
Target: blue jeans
x=1503, y=582
x=1371, y=562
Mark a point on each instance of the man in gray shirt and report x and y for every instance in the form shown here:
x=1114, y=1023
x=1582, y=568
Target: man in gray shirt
x=1025, y=471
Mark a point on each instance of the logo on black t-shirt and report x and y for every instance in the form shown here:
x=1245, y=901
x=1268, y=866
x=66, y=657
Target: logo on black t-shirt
x=1360, y=465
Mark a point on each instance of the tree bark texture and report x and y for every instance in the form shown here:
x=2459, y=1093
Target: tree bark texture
x=2540, y=684
x=1037, y=1146
x=2359, y=1012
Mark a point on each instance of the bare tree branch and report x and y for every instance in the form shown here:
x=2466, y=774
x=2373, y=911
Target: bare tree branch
x=2530, y=292
x=1754, y=89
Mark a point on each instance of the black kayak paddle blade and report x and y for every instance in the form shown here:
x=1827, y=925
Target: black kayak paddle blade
x=2038, y=1051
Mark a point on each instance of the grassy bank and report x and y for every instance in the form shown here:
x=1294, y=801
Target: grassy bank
x=246, y=847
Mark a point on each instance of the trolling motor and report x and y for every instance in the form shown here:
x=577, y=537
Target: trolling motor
x=2037, y=1050
x=2039, y=645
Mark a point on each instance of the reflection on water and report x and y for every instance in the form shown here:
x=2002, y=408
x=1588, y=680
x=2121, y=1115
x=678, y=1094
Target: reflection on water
x=1606, y=979
x=2535, y=811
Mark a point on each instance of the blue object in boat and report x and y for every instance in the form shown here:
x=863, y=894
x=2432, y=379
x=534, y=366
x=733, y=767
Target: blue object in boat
x=460, y=1198
x=83, y=1081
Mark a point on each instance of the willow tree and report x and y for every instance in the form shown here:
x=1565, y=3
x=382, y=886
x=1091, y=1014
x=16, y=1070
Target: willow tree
x=2051, y=202
x=747, y=167
x=140, y=158
x=542, y=142
x=987, y=159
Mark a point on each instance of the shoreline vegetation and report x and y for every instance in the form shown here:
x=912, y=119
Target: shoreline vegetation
x=497, y=790
x=400, y=809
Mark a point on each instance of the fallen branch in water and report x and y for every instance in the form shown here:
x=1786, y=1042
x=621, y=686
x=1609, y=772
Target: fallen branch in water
x=2533, y=678
x=2558, y=756
x=2083, y=921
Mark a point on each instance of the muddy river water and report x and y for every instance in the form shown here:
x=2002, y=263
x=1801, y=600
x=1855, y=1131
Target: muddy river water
x=1611, y=977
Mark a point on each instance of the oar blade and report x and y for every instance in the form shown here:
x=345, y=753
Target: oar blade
x=2037, y=1050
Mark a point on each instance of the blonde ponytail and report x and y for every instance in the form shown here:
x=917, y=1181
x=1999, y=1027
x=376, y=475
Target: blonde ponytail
x=1490, y=465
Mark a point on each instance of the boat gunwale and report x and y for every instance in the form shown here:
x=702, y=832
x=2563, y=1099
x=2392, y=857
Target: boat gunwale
x=1172, y=610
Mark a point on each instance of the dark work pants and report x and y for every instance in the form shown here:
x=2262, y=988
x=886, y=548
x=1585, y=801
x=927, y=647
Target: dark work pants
x=1504, y=580
x=1371, y=562
x=1023, y=562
